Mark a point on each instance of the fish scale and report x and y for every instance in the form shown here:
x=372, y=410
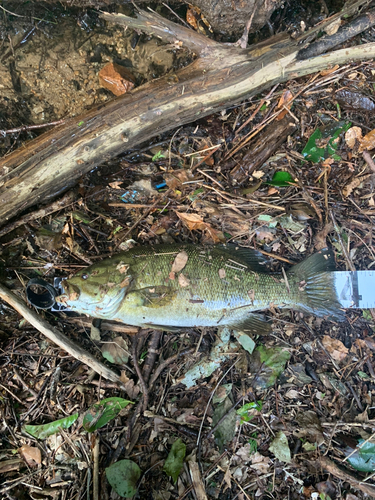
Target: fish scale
x=215, y=286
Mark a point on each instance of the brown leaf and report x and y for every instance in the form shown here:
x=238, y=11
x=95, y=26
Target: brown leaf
x=179, y=262
x=221, y=273
x=115, y=184
x=192, y=221
x=191, y=19
x=333, y=27
x=132, y=389
x=335, y=348
x=352, y=135
x=177, y=177
x=320, y=240
x=354, y=183
x=183, y=280
x=122, y=267
x=283, y=102
x=31, y=455
x=195, y=221
x=367, y=142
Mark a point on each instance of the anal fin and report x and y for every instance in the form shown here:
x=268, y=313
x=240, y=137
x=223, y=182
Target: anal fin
x=256, y=324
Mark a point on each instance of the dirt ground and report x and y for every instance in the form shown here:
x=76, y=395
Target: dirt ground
x=283, y=414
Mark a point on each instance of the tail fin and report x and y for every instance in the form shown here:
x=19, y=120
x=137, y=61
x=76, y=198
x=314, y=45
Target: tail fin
x=316, y=285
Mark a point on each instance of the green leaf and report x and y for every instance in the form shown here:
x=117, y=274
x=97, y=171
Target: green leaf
x=196, y=193
x=364, y=458
x=309, y=446
x=281, y=179
x=101, y=413
x=363, y=375
x=328, y=137
x=246, y=341
x=253, y=444
x=367, y=314
x=226, y=430
x=268, y=363
x=175, y=459
x=158, y=156
x=123, y=477
x=45, y=430
x=244, y=411
x=80, y=216
x=265, y=217
x=280, y=448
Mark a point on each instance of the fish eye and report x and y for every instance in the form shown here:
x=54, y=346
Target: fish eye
x=84, y=276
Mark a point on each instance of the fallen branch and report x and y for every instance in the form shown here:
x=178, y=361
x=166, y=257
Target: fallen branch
x=221, y=76
x=56, y=336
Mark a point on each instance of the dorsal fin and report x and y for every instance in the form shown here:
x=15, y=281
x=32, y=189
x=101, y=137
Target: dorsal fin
x=255, y=260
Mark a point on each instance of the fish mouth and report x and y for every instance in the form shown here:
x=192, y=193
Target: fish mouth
x=71, y=293
x=104, y=307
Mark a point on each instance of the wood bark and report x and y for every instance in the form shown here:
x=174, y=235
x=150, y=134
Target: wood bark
x=221, y=76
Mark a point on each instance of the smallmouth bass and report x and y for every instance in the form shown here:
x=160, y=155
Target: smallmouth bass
x=174, y=286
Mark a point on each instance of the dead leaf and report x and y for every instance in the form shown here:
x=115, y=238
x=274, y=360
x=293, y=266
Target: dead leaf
x=309, y=427
x=115, y=184
x=283, y=103
x=320, y=240
x=362, y=417
x=221, y=273
x=260, y=463
x=177, y=177
x=132, y=389
x=195, y=222
x=183, y=280
x=180, y=261
x=122, y=267
x=352, y=135
x=191, y=19
x=117, y=351
x=367, y=142
x=354, y=183
x=333, y=27
x=192, y=221
x=292, y=394
x=264, y=234
x=335, y=347
x=227, y=478
x=31, y=455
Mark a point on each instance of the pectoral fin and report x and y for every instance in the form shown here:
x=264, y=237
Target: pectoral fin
x=172, y=329
x=157, y=296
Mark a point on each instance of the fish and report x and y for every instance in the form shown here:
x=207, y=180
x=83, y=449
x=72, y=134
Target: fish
x=178, y=286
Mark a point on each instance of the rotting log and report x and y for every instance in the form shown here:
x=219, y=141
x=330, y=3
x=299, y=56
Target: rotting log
x=221, y=76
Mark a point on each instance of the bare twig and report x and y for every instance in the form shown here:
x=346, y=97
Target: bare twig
x=30, y=127
x=56, y=336
x=138, y=371
x=95, y=456
x=342, y=244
